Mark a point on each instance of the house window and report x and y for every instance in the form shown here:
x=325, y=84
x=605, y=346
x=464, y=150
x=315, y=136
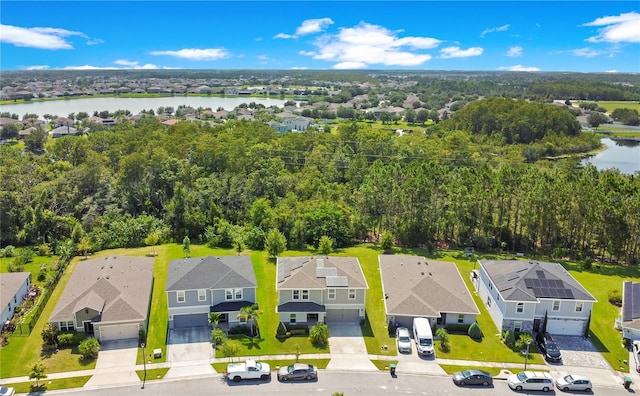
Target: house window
x=352, y=294
x=460, y=318
x=238, y=294
x=202, y=295
x=520, y=307
x=579, y=306
x=490, y=286
x=292, y=318
x=517, y=326
x=228, y=294
x=242, y=319
x=332, y=294
x=180, y=296
x=66, y=326
x=556, y=305
x=489, y=301
x=305, y=294
x=296, y=294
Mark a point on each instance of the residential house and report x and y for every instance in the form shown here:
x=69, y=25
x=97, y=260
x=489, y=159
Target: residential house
x=518, y=294
x=630, y=320
x=414, y=287
x=63, y=131
x=197, y=286
x=295, y=122
x=14, y=286
x=108, y=297
x=320, y=289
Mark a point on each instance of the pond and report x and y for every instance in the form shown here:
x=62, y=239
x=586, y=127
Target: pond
x=623, y=154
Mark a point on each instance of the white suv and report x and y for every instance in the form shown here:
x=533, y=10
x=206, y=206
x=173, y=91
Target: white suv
x=404, y=339
x=531, y=380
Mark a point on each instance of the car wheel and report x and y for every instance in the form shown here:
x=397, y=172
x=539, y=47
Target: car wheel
x=565, y=389
x=236, y=378
x=462, y=383
x=588, y=390
x=485, y=383
x=264, y=377
x=545, y=389
x=309, y=377
x=518, y=388
x=285, y=378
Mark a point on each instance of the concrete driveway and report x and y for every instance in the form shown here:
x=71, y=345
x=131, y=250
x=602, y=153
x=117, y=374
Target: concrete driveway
x=189, y=352
x=116, y=364
x=580, y=352
x=347, y=347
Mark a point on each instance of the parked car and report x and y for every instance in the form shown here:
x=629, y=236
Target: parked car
x=530, y=380
x=298, y=371
x=635, y=348
x=574, y=382
x=248, y=370
x=403, y=338
x=548, y=347
x=6, y=391
x=472, y=377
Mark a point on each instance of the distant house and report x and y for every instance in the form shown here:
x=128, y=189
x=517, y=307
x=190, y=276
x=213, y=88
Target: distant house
x=630, y=321
x=170, y=122
x=415, y=287
x=62, y=131
x=278, y=126
x=14, y=286
x=295, y=122
x=197, y=286
x=320, y=289
x=518, y=294
x=107, y=297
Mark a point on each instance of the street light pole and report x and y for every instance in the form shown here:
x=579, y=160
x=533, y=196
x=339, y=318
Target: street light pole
x=144, y=362
x=526, y=357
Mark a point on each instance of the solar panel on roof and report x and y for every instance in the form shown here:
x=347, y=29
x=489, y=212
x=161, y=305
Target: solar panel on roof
x=544, y=283
x=540, y=274
x=337, y=281
x=323, y=272
x=528, y=283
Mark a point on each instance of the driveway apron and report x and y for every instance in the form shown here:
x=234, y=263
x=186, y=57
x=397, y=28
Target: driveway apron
x=189, y=352
x=348, y=350
x=116, y=364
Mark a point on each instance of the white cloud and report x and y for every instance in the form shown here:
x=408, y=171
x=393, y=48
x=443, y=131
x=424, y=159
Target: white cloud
x=495, y=29
x=586, y=52
x=37, y=37
x=519, y=68
x=611, y=71
x=299, y=68
x=349, y=65
x=457, y=52
x=135, y=65
x=367, y=44
x=208, y=54
x=617, y=29
x=309, y=26
x=514, y=51
x=95, y=41
x=37, y=67
x=89, y=67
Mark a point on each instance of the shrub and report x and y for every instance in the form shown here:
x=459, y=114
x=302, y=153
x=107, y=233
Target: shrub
x=44, y=250
x=392, y=329
x=281, y=331
x=17, y=265
x=319, y=334
x=229, y=349
x=142, y=336
x=89, y=348
x=218, y=337
x=510, y=338
x=386, y=241
x=65, y=339
x=50, y=334
x=27, y=255
x=615, y=297
x=241, y=330
x=475, y=332
x=8, y=251
x=457, y=328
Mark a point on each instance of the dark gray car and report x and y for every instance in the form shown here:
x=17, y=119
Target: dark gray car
x=472, y=377
x=298, y=371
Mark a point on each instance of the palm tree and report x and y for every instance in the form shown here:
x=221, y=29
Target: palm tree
x=250, y=313
x=443, y=334
x=214, y=318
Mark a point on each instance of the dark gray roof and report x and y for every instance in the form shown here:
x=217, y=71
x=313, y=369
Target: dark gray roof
x=522, y=280
x=630, y=301
x=210, y=272
x=304, y=272
x=414, y=286
x=303, y=306
x=230, y=306
x=10, y=283
x=117, y=287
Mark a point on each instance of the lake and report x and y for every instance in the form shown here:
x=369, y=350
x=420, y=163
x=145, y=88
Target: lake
x=134, y=105
x=621, y=154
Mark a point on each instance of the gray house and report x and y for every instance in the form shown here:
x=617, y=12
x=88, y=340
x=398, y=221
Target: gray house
x=415, y=287
x=630, y=321
x=320, y=289
x=197, y=286
x=107, y=297
x=518, y=293
x=14, y=286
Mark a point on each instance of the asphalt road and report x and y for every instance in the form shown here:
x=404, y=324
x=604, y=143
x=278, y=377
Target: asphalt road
x=354, y=383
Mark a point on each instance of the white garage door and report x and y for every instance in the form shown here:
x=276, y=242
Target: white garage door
x=119, y=332
x=342, y=315
x=565, y=327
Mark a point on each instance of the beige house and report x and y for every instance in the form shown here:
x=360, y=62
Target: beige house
x=107, y=297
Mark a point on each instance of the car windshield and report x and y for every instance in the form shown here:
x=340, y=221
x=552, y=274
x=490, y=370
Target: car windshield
x=466, y=373
x=552, y=347
x=259, y=366
x=404, y=339
x=290, y=369
x=568, y=378
x=522, y=377
x=425, y=342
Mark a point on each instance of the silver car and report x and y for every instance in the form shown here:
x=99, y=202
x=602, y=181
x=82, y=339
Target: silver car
x=403, y=339
x=530, y=380
x=574, y=382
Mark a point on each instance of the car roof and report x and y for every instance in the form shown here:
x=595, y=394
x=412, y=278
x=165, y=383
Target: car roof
x=301, y=366
x=476, y=372
x=579, y=377
x=537, y=374
x=402, y=330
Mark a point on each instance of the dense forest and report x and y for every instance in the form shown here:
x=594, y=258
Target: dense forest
x=233, y=183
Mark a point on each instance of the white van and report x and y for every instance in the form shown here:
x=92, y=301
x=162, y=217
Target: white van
x=423, y=336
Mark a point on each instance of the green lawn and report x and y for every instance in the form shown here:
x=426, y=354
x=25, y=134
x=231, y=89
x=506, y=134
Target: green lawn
x=319, y=363
x=153, y=374
x=612, y=105
x=50, y=385
x=450, y=369
x=383, y=364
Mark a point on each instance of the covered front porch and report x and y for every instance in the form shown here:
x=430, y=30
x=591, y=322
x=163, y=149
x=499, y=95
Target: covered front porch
x=307, y=312
x=229, y=314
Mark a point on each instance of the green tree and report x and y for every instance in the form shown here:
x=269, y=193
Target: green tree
x=38, y=372
x=442, y=333
x=36, y=140
x=152, y=240
x=218, y=337
x=595, y=119
x=89, y=348
x=50, y=335
x=275, y=243
x=325, y=246
x=319, y=334
x=84, y=246
x=386, y=241
x=250, y=314
x=475, y=332
x=186, y=246
x=9, y=131
x=214, y=318
x=238, y=244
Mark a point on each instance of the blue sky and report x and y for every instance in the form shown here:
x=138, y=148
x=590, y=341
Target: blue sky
x=581, y=36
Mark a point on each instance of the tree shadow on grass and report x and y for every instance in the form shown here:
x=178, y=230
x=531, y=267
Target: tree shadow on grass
x=252, y=342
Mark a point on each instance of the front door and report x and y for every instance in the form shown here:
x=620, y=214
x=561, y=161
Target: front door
x=88, y=328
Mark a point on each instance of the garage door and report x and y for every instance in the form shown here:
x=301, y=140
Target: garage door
x=119, y=332
x=193, y=320
x=565, y=327
x=342, y=315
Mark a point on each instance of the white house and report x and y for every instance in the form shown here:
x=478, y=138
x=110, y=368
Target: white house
x=14, y=286
x=518, y=294
x=630, y=324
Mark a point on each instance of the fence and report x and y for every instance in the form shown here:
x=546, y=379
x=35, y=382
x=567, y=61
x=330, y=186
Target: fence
x=25, y=327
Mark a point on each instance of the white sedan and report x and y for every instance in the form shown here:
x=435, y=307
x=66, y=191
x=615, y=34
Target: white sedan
x=574, y=382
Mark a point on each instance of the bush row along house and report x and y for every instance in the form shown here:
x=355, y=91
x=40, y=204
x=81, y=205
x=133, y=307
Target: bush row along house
x=110, y=297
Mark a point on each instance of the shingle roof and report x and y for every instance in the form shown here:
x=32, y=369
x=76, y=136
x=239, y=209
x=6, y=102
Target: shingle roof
x=210, y=273
x=414, y=286
x=631, y=304
x=117, y=286
x=304, y=306
x=306, y=272
x=522, y=280
x=10, y=284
